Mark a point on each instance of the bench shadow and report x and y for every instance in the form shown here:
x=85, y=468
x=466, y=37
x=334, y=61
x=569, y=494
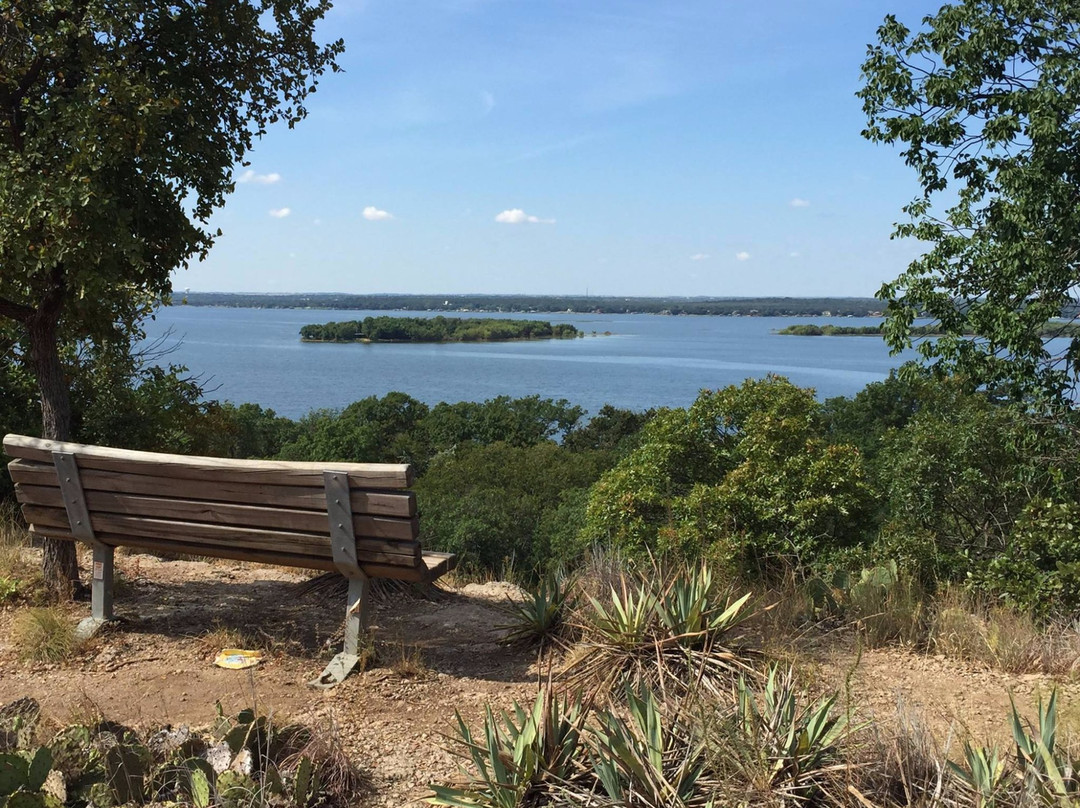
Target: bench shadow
x=453, y=633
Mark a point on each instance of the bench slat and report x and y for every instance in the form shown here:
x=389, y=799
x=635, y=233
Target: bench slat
x=379, y=527
x=376, y=503
x=300, y=544
x=266, y=472
x=417, y=574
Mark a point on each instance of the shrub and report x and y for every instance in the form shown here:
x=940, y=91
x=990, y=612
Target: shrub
x=743, y=476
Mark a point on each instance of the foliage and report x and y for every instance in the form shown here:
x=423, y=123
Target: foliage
x=371, y=430
x=523, y=421
x=779, y=746
x=436, y=329
x=611, y=429
x=646, y=758
x=982, y=100
x=243, y=761
x=1041, y=573
x=959, y=475
x=744, y=475
x=668, y=628
x=541, y=618
x=488, y=503
x=520, y=758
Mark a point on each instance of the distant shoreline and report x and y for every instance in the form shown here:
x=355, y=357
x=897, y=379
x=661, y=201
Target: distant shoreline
x=548, y=304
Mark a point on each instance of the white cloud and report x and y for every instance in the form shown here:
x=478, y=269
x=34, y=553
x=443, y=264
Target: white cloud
x=259, y=179
x=373, y=214
x=518, y=216
x=280, y=213
x=699, y=256
x=799, y=203
x=487, y=99
x=794, y=254
x=742, y=256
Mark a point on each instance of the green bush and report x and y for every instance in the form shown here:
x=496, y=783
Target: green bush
x=744, y=476
x=495, y=505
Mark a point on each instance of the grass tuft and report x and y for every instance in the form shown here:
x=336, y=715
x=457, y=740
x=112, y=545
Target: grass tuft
x=43, y=634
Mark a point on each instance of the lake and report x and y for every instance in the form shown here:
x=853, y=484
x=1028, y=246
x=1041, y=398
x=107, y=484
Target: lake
x=647, y=361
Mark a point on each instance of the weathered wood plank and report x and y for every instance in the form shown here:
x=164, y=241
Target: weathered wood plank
x=225, y=536
x=266, y=472
x=375, y=503
x=416, y=574
x=379, y=527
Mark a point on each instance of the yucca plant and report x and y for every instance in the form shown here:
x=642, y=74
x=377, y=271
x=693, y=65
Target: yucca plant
x=540, y=619
x=1048, y=773
x=518, y=759
x=778, y=745
x=674, y=635
x=983, y=774
x=644, y=758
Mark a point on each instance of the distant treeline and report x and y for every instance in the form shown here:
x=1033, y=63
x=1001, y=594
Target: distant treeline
x=1051, y=329
x=730, y=306
x=435, y=329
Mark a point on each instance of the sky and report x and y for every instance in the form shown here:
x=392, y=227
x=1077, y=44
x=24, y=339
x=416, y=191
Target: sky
x=699, y=148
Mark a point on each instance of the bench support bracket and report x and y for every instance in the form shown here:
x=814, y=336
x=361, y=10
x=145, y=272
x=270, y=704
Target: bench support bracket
x=343, y=546
x=101, y=582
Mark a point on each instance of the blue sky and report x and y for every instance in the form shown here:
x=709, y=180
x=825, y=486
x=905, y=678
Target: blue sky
x=559, y=147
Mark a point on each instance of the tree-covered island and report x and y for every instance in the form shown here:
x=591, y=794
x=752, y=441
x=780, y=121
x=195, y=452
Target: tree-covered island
x=436, y=329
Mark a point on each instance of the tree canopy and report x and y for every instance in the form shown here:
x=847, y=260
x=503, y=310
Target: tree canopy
x=120, y=124
x=985, y=101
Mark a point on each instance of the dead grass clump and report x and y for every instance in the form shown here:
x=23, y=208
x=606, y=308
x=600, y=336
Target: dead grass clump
x=408, y=661
x=1003, y=638
x=341, y=781
x=43, y=634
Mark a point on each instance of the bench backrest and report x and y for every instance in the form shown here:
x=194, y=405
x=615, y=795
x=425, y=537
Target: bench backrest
x=253, y=510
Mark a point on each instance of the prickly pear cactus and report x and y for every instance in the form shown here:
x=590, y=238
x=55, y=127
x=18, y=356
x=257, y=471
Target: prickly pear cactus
x=14, y=774
x=235, y=790
x=71, y=751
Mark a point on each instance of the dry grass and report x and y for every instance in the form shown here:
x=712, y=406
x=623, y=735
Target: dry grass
x=407, y=661
x=43, y=634
x=1003, y=638
x=20, y=580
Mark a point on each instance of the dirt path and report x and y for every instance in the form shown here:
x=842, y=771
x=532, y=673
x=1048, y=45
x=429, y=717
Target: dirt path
x=155, y=668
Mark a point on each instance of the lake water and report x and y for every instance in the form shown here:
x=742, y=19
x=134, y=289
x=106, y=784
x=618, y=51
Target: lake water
x=648, y=360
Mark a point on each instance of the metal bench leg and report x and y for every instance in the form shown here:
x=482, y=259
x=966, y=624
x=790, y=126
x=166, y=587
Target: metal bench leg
x=101, y=593
x=101, y=582
x=356, y=623
x=343, y=546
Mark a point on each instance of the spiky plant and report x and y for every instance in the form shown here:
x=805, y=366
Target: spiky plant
x=983, y=773
x=643, y=758
x=517, y=760
x=1049, y=775
x=540, y=619
x=669, y=632
x=778, y=745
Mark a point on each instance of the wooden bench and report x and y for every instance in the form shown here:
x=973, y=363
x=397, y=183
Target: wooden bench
x=355, y=518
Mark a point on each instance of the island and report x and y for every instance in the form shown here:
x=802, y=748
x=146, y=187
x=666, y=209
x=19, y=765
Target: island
x=436, y=329
x=1050, y=330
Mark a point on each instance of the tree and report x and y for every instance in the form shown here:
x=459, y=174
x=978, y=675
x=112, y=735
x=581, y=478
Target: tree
x=120, y=124
x=984, y=101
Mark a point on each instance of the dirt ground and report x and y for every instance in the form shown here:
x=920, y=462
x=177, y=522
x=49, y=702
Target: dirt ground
x=155, y=668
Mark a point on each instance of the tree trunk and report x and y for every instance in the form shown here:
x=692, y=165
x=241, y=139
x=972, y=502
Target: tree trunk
x=59, y=565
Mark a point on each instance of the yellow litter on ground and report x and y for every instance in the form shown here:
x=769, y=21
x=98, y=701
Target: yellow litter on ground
x=237, y=658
